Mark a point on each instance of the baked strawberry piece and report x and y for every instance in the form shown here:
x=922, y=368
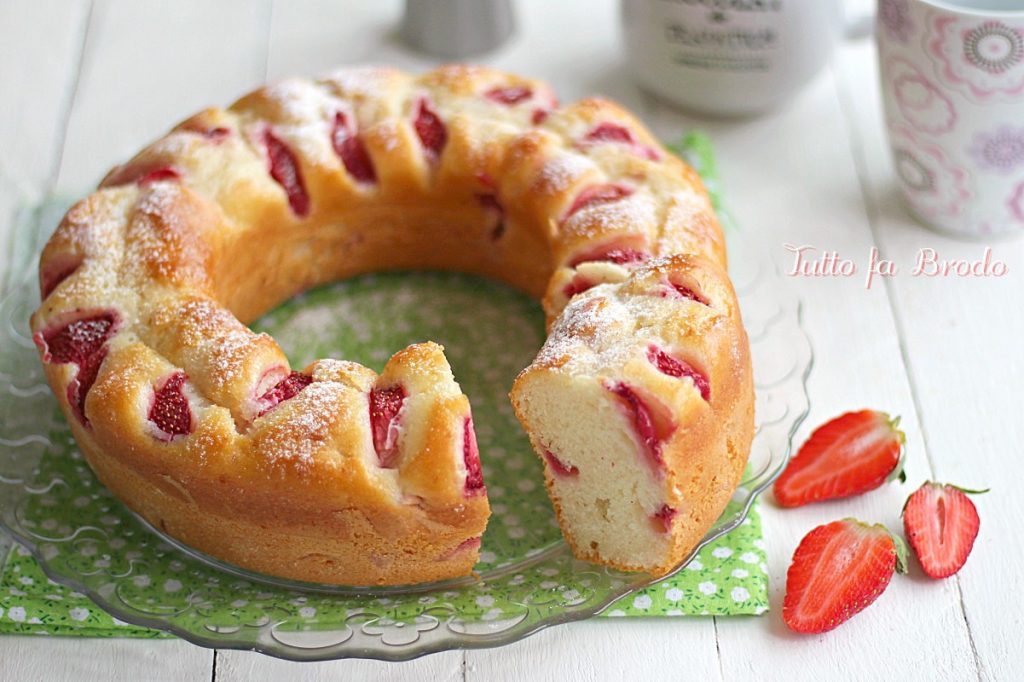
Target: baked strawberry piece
x=81, y=342
x=595, y=195
x=613, y=133
x=430, y=129
x=349, y=147
x=287, y=388
x=170, y=412
x=385, y=407
x=285, y=170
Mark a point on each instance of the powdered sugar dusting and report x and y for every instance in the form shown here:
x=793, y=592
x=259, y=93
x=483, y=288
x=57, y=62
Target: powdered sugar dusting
x=225, y=342
x=594, y=323
x=369, y=82
x=307, y=113
x=563, y=171
x=636, y=214
x=302, y=101
x=308, y=427
x=176, y=144
x=597, y=329
x=603, y=328
x=150, y=241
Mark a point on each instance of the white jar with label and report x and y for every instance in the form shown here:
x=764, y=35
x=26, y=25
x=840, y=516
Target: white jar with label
x=729, y=57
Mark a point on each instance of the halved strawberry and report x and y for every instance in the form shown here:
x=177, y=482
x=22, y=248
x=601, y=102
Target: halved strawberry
x=850, y=455
x=838, y=570
x=941, y=523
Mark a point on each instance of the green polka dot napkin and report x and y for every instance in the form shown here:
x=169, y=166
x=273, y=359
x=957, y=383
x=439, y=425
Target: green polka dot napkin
x=489, y=332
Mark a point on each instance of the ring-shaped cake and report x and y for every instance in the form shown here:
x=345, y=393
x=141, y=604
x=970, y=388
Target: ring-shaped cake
x=640, y=403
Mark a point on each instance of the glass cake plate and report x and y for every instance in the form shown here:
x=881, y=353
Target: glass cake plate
x=526, y=580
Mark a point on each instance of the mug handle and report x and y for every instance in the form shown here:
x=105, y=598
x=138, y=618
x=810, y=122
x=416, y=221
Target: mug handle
x=859, y=19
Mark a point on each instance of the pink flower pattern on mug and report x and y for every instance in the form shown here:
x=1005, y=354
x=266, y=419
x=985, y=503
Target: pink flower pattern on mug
x=1001, y=151
x=987, y=57
x=920, y=101
x=933, y=186
x=1016, y=203
x=894, y=15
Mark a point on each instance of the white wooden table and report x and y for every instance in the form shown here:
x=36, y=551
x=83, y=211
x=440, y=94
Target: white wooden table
x=82, y=86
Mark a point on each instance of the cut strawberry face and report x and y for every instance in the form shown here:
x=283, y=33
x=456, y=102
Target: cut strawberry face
x=81, y=342
x=349, y=147
x=539, y=116
x=385, y=408
x=674, y=367
x=471, y=457
x=509, y=96
x=287, y=388
x=284, y=169
x=430, y=129
x=613, y=133
x=838, y=570
x=170, y=412
x=849, y=455
x=651, y=428
x=662, y=519
x=941, y=524
x=597, y=194
x=562, y=469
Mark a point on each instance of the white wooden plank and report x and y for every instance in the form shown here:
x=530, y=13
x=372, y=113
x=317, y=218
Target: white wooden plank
x=10, y=200
x=32, y=131
x=31, y=135
x=963, y=347
x=308, y=37
x=73, y=658
x=244, y=666
x=609, y=649
x=574, y=46
x=791, y=179
x=39, y=75
x=149, y=65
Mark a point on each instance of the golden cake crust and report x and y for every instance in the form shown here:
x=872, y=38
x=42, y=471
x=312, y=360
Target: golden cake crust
x=605, y=333
x=157, y=273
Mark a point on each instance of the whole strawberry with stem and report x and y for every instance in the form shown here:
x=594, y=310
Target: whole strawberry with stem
x=849, y=455
x=941, y=524
x=838, y=570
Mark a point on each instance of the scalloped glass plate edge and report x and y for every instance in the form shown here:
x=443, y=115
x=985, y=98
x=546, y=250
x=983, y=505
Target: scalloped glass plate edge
x=370, y=639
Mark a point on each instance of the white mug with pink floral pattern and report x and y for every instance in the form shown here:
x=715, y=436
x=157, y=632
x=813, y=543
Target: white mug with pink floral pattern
x=953, y=87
